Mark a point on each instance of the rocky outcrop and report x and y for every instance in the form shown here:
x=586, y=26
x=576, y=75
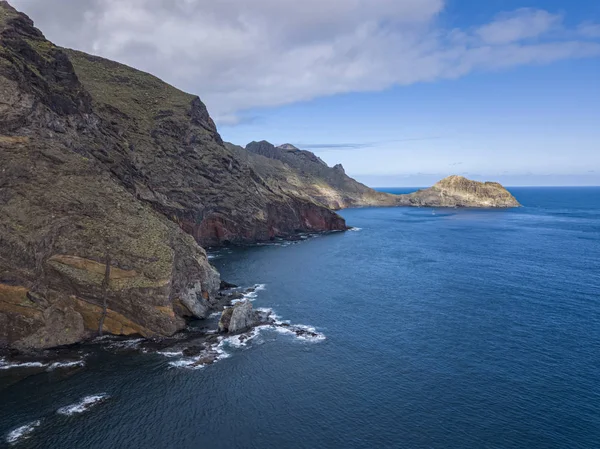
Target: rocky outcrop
x=301, y=174
x=457, y=191
x=100, y=161
x=238, y=318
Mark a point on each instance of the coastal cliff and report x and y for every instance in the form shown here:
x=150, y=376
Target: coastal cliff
x=110, y=182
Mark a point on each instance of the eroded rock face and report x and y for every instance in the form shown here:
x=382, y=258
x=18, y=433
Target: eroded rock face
x=457, y=191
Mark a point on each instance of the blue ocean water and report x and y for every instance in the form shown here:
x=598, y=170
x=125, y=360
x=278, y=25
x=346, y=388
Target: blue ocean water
x=444, y=329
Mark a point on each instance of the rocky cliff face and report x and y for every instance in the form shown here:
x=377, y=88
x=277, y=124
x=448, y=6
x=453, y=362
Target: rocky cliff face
x=302, y=174
x=103, y=166
x=457, y=191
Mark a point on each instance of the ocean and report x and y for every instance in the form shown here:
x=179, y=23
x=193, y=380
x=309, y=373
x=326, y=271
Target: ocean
x=434, y=329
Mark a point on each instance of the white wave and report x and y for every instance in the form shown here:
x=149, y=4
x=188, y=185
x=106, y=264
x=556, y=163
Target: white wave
x=210, y=355
x=353, y=229
x=57, y=365
x=301, y=332
x=85, y=404
x=185, y=363
x=277, y=320
x=4, y=365
x=251, y=295
x=218, y=351
x=170, y=353
x=239, y=341
x=214, y=314
x=22, y=432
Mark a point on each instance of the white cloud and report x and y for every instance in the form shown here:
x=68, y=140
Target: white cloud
x=240, y=54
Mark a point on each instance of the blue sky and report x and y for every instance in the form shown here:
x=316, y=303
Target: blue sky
x=401, y=92
x=536, y=125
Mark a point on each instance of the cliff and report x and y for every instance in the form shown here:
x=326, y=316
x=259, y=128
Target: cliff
x=110, y=181
x=457, y=191
x=302, y=174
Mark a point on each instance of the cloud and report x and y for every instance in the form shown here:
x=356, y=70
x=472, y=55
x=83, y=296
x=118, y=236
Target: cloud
x=240, y=55
x=356, y=145
x=524, y=23
x=334, y=146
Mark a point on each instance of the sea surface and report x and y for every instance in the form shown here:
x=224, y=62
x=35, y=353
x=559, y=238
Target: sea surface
x=437, y=329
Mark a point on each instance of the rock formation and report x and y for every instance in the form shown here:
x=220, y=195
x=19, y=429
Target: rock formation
x=238, y=318
x=457, y=191
x=98, y=159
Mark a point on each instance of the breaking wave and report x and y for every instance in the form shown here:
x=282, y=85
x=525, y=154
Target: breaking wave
x=22, y=432
x=218, y=350
x=251, y=294
x=6, y=365
x=83, y=405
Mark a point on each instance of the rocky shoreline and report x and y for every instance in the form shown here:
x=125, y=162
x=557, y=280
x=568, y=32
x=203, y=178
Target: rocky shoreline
x=234, y=323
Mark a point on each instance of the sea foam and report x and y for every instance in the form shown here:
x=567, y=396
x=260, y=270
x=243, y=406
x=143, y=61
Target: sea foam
x=70, y=364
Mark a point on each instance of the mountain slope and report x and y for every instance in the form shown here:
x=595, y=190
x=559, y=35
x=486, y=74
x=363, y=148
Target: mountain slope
x=302, y=174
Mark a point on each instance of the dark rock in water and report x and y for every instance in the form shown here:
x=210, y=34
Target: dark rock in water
x=235, y=295
x=226, y=285
x=193, y=351
x=263, y=317
x=250, y=289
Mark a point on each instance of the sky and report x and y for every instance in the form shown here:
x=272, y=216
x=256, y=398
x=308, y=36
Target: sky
x=401, y=92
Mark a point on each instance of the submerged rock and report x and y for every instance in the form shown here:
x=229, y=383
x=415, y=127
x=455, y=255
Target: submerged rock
x=226, y=285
